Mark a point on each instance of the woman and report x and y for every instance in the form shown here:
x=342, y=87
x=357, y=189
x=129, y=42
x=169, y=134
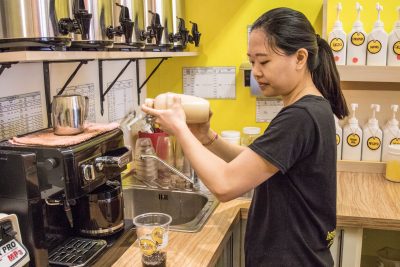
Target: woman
x=292, y=166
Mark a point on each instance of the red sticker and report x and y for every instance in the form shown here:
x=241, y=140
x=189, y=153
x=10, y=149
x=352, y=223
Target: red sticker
x=398, y=57
x=355, y=60
x=337, y=58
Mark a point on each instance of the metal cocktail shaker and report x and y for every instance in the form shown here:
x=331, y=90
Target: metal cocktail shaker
x=69, y=113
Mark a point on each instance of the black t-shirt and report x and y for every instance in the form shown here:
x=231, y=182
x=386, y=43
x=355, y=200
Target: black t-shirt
x=292, y=217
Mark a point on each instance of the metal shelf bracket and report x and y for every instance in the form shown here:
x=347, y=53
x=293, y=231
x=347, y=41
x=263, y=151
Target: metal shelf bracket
x=139, y=87
x=5, y=66
x=101, y=86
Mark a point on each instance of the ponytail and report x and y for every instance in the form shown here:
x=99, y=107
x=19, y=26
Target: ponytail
x=289, y=30
x=326, y=78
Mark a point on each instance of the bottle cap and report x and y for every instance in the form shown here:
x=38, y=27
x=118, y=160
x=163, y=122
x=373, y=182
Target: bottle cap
x=393, y=121
x=358, y=23
x=379, y=23
x=373, y=122
x=230, y=134
x=251, y=130
x=353, y=120
x=338, y=24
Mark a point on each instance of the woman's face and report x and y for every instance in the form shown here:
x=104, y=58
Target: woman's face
x=275, y=72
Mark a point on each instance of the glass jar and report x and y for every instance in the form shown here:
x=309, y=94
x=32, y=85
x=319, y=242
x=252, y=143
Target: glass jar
x=231, y=136
x=250, y=134
x=393, y=163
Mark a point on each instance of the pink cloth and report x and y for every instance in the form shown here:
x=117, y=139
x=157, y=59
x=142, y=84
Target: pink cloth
x=48, y=138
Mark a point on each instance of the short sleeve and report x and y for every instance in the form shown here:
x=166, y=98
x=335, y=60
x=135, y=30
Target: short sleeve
x=288, y=139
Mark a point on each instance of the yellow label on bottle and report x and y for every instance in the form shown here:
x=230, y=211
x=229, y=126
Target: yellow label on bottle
x=337, y=139
x=374, y=143
x=353, y=140
x=357, y=38
x=395, y=141
x=374, y=46
x=336, y=44
x=396, y=48
x=393, y=170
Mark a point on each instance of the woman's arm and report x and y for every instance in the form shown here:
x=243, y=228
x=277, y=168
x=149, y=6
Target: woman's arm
x=226, y=180
x=223, y=149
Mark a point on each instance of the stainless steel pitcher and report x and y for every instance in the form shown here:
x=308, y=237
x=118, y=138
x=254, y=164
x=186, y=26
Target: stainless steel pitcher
x=69, y=113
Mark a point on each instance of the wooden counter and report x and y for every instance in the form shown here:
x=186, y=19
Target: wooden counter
x=363, y=200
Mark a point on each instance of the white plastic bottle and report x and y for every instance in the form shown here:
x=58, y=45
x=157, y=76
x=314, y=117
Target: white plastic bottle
x=377, y=42
x=339, y=142
x=357, y=42
x=391, y=133
x=372, y=138
x=197, y=109
x=337, y=39
x=394, y=44
x=352, y=135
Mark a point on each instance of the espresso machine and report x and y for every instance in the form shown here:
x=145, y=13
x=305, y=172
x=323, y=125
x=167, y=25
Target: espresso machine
x=68, y=200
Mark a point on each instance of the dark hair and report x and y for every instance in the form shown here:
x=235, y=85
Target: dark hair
x=289, y=30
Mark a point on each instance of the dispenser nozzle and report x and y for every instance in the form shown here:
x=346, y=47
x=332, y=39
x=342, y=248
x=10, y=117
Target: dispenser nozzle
x=398, y=11
x=359, y=8
x=375, y=108
x=338, y=10
x=379, y=8
x=394, y=108
x=354, y=106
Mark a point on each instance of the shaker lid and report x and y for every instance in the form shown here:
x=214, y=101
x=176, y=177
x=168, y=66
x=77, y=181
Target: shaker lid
x=251, y=130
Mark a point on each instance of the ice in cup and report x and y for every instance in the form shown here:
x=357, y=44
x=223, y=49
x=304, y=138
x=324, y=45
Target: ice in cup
x=152, y=232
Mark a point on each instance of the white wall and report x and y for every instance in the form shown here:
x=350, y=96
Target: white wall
x=19, y=117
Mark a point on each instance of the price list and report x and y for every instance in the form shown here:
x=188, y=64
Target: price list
x=20, y=114
x=210, y=82
x=267, y=108
x=120, y=99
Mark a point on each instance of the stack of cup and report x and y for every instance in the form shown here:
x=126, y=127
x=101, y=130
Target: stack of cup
x=145, y=168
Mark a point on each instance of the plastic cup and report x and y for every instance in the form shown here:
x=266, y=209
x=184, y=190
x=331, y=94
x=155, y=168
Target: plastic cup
x=152, y=232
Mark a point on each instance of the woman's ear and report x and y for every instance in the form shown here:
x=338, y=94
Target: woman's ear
x=301, y=57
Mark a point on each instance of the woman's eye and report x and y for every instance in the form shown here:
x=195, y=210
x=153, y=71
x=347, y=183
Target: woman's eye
x=264, y=62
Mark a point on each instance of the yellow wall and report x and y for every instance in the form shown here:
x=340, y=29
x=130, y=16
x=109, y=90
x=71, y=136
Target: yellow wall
x=368, y=15
x=223, y=24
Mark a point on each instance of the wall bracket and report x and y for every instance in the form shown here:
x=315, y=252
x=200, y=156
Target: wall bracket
x=101, y=86
x=5, y=66
x=139, y=87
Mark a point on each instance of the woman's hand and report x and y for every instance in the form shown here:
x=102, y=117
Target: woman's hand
x=201, y=130
x=170, y=120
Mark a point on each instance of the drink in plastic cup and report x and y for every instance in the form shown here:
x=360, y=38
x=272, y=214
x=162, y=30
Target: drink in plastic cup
x=152, y=231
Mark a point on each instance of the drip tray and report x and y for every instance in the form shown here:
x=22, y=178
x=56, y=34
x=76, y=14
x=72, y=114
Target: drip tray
x=77, y=251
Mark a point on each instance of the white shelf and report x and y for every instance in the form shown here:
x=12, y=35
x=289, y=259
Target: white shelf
x=369, y=74
x=38, y=56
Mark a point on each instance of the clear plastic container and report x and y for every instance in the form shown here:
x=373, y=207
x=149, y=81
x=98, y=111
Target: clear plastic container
x=393, y=163
x=231, y=136
x=250, y=134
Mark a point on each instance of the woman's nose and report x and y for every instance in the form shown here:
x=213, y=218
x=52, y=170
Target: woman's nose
x=256, y=72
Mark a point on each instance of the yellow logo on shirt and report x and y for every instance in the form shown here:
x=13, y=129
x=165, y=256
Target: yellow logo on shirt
x=330, y=236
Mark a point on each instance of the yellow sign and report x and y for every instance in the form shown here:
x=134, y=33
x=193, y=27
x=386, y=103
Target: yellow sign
x=337, y=139
x=374, y=143
x=357, y=38
x=396, y=48
x=374, y=46
x=353, y=140
x=395, y=141
x=336, y=44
